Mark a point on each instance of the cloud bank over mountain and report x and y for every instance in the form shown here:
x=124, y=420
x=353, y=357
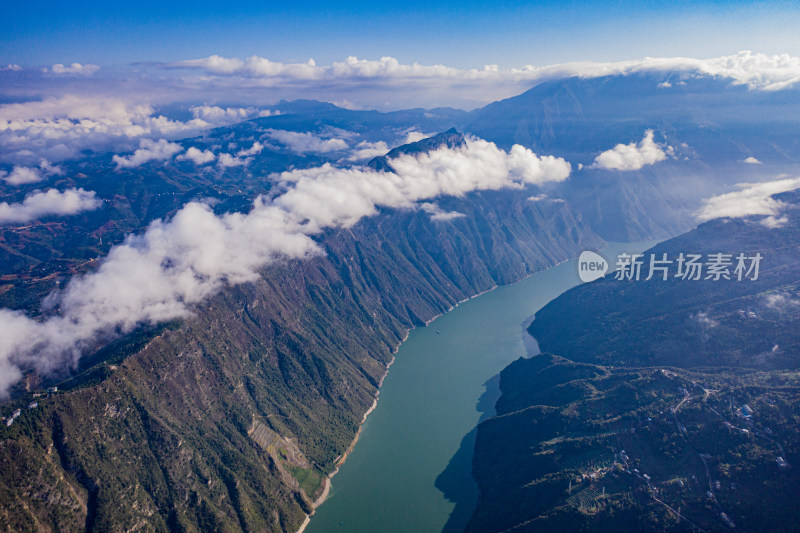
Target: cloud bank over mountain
x=750, y=199
x=197, y=156
x=58, y=128
x=160, y=150
x=160, y=274
x=633, y=156
x=303, y=142
x=107, y=110
x=51, y=203
x=758, y=71
x=21, y=175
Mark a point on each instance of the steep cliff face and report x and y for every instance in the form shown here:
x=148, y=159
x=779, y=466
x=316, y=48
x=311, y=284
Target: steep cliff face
x=230, y=419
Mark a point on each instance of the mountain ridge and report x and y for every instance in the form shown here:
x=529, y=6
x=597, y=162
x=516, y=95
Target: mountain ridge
x=213, y=404
x=657, y=405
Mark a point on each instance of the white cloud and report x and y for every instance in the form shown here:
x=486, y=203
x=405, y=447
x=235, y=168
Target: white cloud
x=632, y=156
x=775, y=222
x=303, y=142
x=160, y=274
x=254, y=66
x=437, y=213
x=346, y=104
x=23, y=175
x=196, y=156
x=781, y=300
x=12, y=67
x=328, y=196
x=50, y=203
x=160, y=150
x=368, y=150
x=20, y=175
x=59, y=128
x=218, y=116
x=253, y=150
x=750, y=199
x=704, y=320
x=543, y=197
x=758, y=71
x=74, y=68
x=113, y=117
x=752, y=161
x=388, y=83
x=414, y=136
x=150, y=278
x=228, y=161
x=50, y=169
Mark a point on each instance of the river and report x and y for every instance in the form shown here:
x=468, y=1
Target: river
x=410, y=471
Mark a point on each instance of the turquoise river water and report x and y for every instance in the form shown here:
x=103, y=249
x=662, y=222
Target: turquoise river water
x=410, y=471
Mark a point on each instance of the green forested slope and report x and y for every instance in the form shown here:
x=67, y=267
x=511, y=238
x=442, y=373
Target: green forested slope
x=228, y=420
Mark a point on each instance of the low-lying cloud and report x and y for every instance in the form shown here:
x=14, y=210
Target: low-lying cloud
x=751, y=199
x=51, y=203
x=230, y=161
x=224, y=160
x=543, y=197
x=160, y=274
x=58, y=128
x=633, y=156
x=328, y=196
x=219, y=116
x=20, y=175
x=439, y=214
x=253, y=150
x=149, y=150
x=306, y=142
x=368, y=150
x=781, y=301
x=197, y=156
x=413, y=136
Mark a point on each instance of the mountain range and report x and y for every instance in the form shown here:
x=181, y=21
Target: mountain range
x=660, y=404
x=231, y=418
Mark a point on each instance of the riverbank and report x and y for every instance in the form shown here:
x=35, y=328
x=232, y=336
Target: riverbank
x=328, y=479
x=416, y=451
x=436, y=336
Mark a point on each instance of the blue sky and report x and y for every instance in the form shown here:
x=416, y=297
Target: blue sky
x=462, y=34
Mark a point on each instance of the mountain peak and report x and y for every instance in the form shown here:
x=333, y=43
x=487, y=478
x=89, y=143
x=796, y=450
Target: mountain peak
x=451, y=138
